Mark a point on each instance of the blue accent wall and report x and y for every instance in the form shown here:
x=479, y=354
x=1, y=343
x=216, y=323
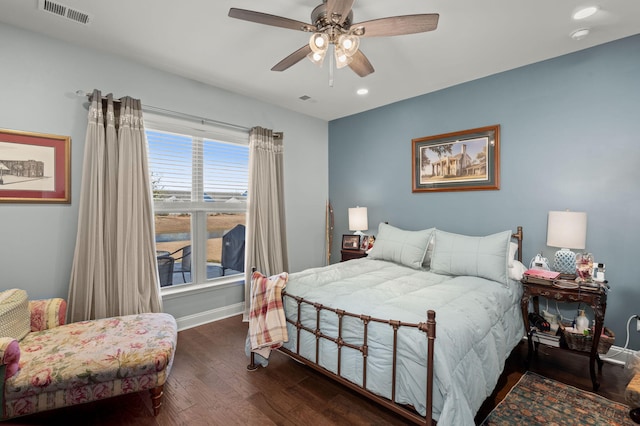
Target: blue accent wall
x=569, y=140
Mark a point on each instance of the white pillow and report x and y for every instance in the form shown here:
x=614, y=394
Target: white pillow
x=404, y=247
x=485, y=257
x=513, y=249
x=517, y=270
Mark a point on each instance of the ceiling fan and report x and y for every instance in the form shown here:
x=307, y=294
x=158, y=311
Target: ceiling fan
x=332, y=24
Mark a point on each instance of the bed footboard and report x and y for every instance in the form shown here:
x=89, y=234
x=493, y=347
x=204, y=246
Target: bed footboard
x=428, y=327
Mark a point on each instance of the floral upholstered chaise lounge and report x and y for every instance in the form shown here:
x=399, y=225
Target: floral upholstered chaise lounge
x=45, y=364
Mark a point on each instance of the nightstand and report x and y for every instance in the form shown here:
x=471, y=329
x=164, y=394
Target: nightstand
x=352, y=254
x=594, y=297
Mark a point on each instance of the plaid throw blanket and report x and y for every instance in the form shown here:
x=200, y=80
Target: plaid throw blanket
x=267, y=322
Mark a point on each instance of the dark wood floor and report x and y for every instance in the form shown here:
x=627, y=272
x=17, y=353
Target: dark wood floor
x=209, y=385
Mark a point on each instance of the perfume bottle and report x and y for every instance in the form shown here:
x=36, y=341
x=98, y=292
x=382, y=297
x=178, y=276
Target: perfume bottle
x=598, y=272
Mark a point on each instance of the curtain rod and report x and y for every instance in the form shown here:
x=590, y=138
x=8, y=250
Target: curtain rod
x=177, y=114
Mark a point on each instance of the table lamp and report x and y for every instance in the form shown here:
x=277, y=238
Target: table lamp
x=358, y=220
x=566, y=230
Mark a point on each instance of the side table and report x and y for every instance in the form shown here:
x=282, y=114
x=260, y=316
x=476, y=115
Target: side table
x=594, y=297
x=352, y=254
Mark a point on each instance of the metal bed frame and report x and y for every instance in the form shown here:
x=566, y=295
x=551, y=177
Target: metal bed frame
x=428, y=327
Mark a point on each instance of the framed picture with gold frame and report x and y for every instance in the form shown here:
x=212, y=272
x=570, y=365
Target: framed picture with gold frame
x=34, y=167
x=460, y=161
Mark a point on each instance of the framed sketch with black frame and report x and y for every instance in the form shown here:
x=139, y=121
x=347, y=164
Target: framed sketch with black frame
x=350, y=242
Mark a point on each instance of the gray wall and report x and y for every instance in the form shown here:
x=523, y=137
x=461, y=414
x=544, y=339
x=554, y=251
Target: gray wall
x=38, y=80
x=569, y=140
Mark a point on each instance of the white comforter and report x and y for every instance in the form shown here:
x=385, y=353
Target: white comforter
x=478, y=324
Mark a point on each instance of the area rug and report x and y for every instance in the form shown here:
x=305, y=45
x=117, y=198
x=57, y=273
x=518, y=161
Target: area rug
x=536, y=400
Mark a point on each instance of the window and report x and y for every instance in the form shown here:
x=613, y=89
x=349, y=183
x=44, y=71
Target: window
x=199, y=179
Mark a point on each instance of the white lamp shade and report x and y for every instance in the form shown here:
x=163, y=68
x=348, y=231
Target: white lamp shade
x=358, y=219
x=567, y=229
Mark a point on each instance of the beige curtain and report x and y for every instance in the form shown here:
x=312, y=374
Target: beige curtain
x=114, y=267
x=266, y=236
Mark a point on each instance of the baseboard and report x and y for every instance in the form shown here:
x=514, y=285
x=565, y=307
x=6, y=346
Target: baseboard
x=616, y=355
x=205, y=317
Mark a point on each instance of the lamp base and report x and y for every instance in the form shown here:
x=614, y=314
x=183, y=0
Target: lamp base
x=564, y=261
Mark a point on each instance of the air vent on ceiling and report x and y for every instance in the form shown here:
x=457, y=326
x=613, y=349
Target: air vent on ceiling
x=64, y=11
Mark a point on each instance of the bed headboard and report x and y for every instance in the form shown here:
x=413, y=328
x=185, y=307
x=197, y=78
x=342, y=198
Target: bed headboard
x=518, y=237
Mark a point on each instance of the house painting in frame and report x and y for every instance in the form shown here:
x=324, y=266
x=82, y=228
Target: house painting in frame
x=460, y=161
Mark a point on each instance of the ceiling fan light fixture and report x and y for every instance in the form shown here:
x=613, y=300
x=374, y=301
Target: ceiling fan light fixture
x=319, y=42
x=349, y=44
x=317, y=57
x=342, y=59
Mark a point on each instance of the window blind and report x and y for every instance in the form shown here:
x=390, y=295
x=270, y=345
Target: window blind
x=209, y=174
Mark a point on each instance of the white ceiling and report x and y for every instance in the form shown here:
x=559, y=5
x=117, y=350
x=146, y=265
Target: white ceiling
x=196, y=39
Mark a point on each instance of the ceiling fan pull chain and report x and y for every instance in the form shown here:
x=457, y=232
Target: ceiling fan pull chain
x=331, y=69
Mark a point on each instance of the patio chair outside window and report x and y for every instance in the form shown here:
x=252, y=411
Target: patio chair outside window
x=233, y=244
x=165, y=270
x=185, y=260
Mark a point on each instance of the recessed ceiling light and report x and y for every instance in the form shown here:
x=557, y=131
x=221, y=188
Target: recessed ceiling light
x=362, y=92
x=580, y=34
x=585, y=13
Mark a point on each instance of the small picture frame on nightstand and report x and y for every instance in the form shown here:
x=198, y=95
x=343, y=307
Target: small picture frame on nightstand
x=350, y=242
x=364, y=242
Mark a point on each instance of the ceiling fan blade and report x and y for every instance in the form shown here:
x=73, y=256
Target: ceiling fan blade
x=292, y=59
x=361, y=65
x=398, y=25
x=266, y=19
x=339, y=8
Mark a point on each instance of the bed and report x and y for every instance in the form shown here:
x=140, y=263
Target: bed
x=370, y=323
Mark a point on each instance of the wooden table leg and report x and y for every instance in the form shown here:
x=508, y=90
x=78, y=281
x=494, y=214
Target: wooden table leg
x=598, y=310
x=524, y=305
x=592, y=372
